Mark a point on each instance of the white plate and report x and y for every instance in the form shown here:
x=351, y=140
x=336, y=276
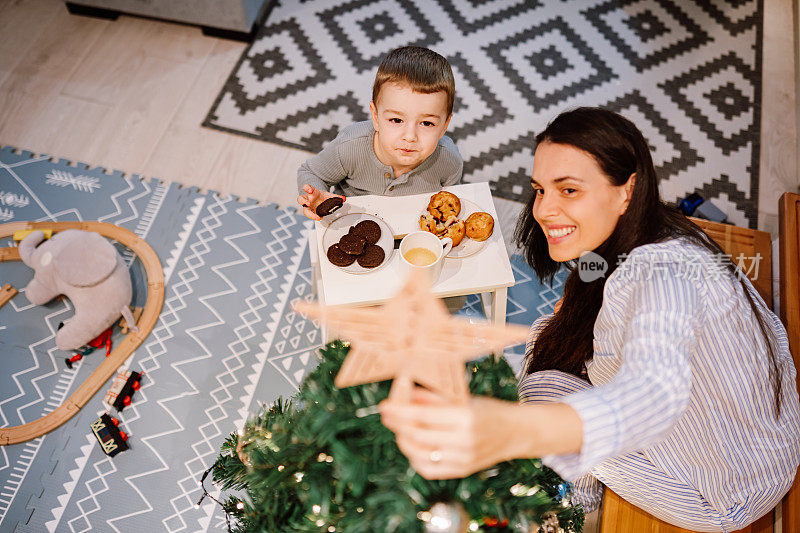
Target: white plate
x=342, y=225
x=467, y=246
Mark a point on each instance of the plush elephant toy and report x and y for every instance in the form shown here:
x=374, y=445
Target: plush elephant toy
x=86, y=268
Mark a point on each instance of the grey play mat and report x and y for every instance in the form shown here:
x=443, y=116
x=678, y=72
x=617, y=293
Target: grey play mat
x=225, y=342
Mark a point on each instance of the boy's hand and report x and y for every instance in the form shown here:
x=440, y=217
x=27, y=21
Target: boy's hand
x=312, y=199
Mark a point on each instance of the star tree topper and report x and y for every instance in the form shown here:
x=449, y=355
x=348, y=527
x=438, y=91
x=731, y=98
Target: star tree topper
x=411, y=339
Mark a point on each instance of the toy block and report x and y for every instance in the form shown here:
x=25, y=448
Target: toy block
x=22, y=233
x=136, y=312
x=6, y=293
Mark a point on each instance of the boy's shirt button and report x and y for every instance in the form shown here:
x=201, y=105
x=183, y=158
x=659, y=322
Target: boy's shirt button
x=386, y=175
x=391, y=188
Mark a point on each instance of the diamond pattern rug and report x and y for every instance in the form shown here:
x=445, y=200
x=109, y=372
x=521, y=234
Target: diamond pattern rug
x=686, y=72
x=226, y=341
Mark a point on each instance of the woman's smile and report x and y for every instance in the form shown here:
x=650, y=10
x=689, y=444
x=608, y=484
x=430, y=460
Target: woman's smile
x=557, y=234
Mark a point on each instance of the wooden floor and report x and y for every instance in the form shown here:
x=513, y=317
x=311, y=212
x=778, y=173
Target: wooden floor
x=130, y=94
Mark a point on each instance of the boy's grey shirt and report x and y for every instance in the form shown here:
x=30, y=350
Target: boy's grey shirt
x=350, y=165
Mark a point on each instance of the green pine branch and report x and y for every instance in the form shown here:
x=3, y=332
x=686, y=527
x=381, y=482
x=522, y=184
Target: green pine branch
x=315, y=464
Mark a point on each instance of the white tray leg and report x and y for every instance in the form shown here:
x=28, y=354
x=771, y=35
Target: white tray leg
x=494, y=305
x=316, y=279
x=499, y=301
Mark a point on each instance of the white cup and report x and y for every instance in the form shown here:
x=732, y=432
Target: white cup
x=423, y=239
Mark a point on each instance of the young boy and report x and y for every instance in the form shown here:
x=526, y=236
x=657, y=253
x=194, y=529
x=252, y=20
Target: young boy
x=403, y=149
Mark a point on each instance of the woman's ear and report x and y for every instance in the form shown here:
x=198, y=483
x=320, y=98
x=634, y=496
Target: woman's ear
x=628, y=191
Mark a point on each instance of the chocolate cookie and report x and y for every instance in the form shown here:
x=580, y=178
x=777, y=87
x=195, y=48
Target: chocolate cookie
x=370, y=229
x=329, y=206
x=352, y=244
x=373, y=256
x=339, y=258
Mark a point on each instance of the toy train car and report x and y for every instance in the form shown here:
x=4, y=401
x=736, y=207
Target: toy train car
x=121, y=392
x=111, y=439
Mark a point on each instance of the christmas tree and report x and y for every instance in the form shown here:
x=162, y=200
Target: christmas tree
x=324, y=462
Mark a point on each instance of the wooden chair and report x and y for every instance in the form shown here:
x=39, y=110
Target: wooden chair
x=620, y=516
x=789, y=242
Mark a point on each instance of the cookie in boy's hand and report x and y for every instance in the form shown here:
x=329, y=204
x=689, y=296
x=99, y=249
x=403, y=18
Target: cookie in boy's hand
x=329, y=206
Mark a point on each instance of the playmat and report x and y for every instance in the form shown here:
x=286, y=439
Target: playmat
x=226, y=341
x=688, y=74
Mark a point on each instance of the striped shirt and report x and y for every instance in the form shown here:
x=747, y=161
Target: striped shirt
x=349, y=164
x=680, y=383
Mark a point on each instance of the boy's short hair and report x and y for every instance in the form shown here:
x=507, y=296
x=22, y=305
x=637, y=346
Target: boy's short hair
x=423, y=69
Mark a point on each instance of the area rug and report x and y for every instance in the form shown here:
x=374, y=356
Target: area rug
x=687, y=73
x=226, y=342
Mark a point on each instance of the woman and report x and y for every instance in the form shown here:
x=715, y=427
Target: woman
x=669, y=380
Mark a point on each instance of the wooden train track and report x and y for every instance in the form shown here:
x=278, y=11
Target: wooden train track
x=152, y=308
x=6, y=293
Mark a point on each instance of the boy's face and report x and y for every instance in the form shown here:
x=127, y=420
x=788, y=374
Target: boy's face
x=408, y=125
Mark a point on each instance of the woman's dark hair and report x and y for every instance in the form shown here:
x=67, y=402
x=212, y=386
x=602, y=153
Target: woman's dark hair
x=619, y=148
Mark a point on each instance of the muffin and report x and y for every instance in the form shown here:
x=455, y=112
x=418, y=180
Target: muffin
x=443, y=205
x=455, y=229
x=479, y=226
x=428, y=223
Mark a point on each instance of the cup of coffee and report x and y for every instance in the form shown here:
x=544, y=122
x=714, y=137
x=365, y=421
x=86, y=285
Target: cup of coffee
x=424, y=252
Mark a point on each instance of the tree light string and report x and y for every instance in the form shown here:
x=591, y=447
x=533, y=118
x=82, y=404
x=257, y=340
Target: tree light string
x=206, y=493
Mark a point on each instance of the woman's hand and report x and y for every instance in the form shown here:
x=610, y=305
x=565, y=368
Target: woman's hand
x=312, y=198
x=444, y=440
